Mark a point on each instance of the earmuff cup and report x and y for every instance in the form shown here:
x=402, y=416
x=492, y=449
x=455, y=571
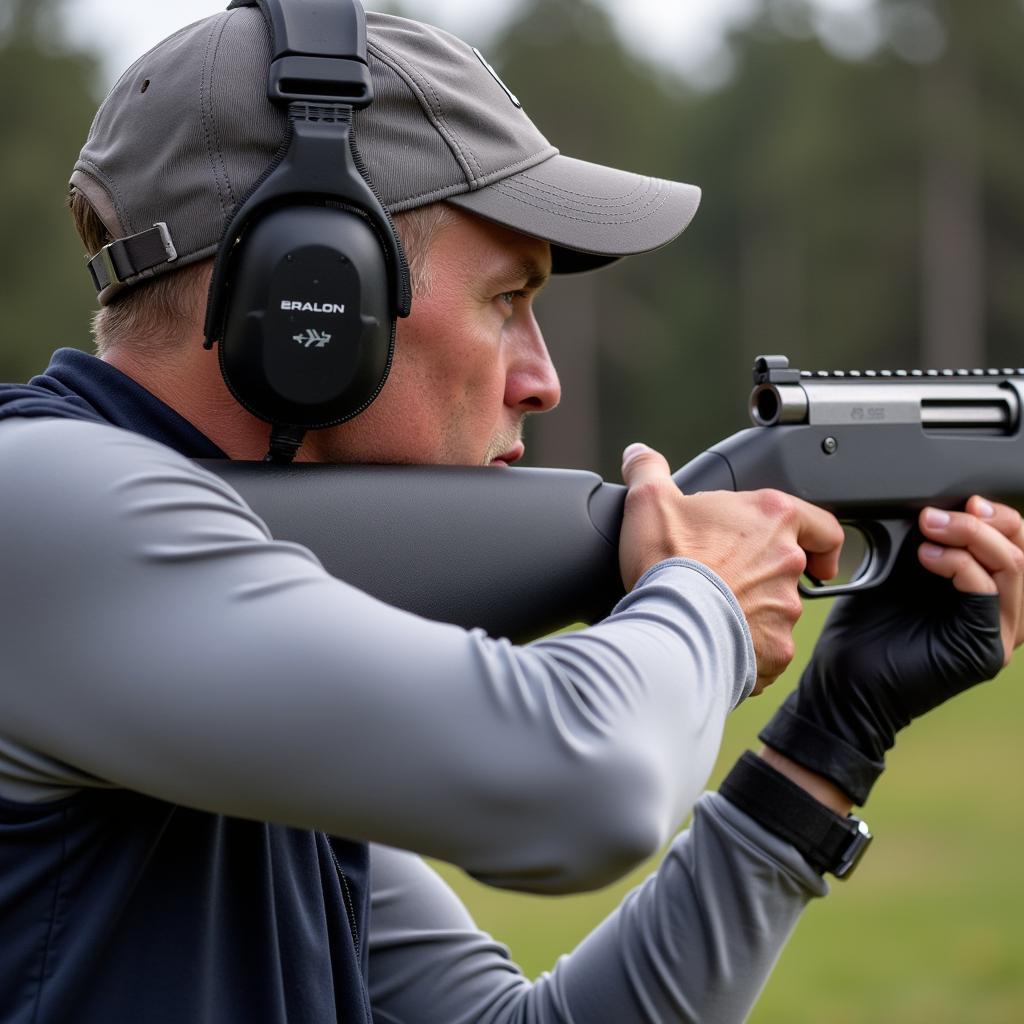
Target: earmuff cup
x=309, y=335
x=310, y=275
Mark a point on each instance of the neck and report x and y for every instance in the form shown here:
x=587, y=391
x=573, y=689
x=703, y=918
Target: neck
x=185, y=376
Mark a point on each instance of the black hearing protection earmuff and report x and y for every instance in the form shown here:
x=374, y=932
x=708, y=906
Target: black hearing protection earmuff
x=310, y=275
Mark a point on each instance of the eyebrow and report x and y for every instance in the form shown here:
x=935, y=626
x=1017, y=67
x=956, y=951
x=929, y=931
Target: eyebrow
x=519, y=269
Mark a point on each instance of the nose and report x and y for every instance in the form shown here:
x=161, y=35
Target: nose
x=531, y=384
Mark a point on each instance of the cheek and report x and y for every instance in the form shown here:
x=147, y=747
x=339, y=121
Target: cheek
x=444, y=398
x=459, y=362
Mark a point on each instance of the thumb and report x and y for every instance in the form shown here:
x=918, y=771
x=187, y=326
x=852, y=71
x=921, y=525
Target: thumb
x=641, y=464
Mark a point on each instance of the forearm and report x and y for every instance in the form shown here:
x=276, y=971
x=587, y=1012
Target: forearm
x=695, y=942
x=824, y=791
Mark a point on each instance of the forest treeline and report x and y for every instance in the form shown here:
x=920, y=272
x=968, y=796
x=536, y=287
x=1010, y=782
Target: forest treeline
x=856, y=213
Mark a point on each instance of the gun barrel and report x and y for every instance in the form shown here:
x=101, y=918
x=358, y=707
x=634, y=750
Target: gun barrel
x=957, y=403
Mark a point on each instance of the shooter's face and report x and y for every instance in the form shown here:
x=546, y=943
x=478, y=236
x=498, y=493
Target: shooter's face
x=470, y=362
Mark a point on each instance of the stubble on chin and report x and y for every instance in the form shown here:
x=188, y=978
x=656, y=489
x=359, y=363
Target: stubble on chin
x=502, y=442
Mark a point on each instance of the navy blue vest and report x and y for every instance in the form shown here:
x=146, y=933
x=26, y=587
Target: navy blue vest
x=116, y=908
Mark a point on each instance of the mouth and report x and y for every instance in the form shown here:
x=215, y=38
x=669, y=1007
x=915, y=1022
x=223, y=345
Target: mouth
x=514, y=454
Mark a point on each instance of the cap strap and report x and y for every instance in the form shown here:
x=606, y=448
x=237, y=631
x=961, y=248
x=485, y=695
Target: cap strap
x=125, y=258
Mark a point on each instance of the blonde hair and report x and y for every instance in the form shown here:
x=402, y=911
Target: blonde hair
x=147, y=314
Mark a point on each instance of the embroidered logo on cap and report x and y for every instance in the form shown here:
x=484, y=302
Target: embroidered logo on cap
x=494, y=74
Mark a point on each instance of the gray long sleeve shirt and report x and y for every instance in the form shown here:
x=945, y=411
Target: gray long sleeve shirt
x=171, y=647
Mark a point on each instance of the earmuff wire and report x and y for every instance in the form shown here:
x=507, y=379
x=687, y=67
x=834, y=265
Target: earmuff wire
x=285, y=442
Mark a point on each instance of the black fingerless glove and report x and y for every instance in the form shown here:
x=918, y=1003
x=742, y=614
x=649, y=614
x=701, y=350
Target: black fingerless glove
x=884, y=658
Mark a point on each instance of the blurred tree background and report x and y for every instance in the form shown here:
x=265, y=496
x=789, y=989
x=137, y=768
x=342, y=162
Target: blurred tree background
x=858, y=212
x=863, y=207
x=863, y=203
x=51, y=93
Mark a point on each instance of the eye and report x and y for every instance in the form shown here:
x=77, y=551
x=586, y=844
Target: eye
x=509, y=298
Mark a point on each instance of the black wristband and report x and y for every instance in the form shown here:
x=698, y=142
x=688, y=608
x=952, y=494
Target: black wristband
x=826, y=840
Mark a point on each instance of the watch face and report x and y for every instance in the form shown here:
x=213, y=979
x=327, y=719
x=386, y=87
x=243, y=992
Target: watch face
x=860, y=840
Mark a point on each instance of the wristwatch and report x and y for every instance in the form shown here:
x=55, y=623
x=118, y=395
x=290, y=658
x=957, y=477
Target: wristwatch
x=828, y=841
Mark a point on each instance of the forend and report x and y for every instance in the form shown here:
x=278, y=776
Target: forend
x=985, y=401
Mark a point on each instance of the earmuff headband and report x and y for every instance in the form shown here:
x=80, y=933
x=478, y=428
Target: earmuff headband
x=318, y=51
x=319, y=72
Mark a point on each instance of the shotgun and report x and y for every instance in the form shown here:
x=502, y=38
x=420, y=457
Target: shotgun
x=523, y=552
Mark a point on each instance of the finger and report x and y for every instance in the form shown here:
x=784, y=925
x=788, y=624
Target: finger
x=1011, y=608
x=641, y=464
x=1007, y=521
x=821, y=536
x=969, y=577
x=987, y=545
x=957, y=565
x=1001, y=517
x=823, y=566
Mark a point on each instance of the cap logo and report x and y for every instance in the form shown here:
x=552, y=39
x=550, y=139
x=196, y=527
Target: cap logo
x=494, y=74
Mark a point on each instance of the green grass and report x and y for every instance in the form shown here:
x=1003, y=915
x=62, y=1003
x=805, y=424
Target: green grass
x=931, y=928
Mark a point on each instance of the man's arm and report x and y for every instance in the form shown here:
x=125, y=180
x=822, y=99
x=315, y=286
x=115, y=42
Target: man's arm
x=162, y=642
x=695, y=942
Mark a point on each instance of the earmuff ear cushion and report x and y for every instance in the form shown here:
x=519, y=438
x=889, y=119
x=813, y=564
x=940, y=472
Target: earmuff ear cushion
x=308, y=338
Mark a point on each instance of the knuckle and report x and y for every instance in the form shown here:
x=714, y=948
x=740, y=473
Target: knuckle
x=970, y=525
x=647, y=492
x=775, y=504
x=774, y=653
x=957, y=559
x=785, y=652
x=793, y=562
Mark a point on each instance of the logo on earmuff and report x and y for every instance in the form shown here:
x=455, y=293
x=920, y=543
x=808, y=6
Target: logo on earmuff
x=311, y=307
x=312, y=339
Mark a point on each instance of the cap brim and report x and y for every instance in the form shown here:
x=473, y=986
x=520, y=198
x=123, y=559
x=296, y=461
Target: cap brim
x=591, y=215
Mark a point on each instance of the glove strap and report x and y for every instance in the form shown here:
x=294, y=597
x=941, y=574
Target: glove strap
x=827, y=841
x=820, y=751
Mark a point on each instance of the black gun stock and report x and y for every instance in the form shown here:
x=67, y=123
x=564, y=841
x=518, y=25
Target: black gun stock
x=521, y=552
x=516, y=552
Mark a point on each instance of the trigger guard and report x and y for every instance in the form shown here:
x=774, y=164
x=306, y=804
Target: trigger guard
x=885, y=538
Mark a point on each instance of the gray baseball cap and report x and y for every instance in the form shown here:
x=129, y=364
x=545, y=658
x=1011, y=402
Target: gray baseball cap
x=188, y=130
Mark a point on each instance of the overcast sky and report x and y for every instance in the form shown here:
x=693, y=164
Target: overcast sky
x=686, y=33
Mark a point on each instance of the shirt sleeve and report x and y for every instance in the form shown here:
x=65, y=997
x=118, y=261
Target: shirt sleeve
x=694, y=943
x=157, y=638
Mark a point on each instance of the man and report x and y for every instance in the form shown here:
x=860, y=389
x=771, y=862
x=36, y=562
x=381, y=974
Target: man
x=192, y=708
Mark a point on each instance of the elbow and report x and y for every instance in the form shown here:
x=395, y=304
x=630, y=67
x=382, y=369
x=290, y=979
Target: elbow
x=617, y=829
x=588, y=833
x=616, y=849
